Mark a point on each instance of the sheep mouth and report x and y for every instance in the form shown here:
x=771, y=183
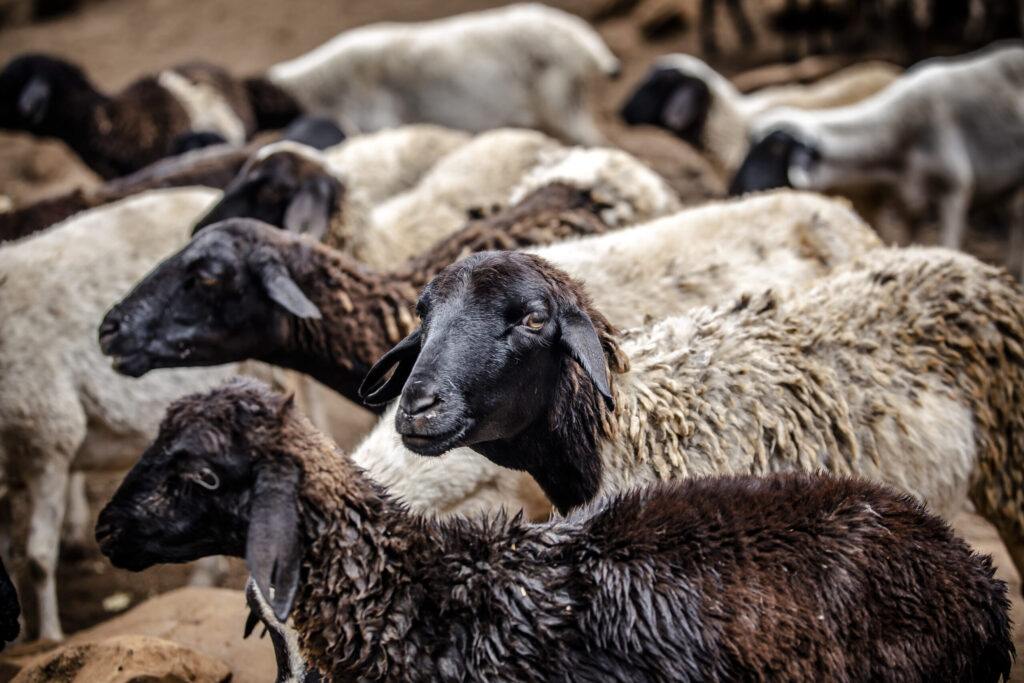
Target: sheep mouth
x=132, y=365
x=434, y=444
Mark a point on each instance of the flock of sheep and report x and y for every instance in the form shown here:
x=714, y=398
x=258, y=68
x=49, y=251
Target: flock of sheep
x=748, y=415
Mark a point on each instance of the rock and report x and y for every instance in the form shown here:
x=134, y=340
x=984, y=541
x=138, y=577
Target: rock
x=125, y=659
x=208, y=621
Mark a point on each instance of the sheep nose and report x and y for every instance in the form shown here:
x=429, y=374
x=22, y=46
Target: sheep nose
x=109, y=326
x=418, y=399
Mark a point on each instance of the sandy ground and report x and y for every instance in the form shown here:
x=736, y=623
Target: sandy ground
x=118, y=40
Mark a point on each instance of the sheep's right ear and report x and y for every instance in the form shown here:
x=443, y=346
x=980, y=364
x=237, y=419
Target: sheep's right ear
x=310, y=209
x=272, y=549
x=404, y=355
x=281, y=288
x=34, y=100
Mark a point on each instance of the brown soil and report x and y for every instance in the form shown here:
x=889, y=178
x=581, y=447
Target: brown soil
x=119, y=40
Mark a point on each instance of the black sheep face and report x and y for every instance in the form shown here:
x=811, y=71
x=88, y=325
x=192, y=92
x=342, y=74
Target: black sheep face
x=483, y=366
x=187, y=497
x=284, y=189
x=671, y=100
x=772, y=161
x=226, y=297
x=32, y=90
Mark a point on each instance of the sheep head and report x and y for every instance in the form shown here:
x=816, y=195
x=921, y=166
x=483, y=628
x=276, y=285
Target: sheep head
x=285, y=185
x=227, y=296
x=214, y=482
x=778, y=159
x=671, y=99
x=34, y=89
x=505, y=337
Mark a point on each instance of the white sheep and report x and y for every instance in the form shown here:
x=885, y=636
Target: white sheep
x=684, y=95
x=523, y=65
x=62, y=407
x=950, y=130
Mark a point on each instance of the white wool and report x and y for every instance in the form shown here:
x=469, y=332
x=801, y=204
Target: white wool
x=207, y=108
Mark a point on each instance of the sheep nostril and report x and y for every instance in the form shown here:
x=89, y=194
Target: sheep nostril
x=109, y=327
x=416, y=405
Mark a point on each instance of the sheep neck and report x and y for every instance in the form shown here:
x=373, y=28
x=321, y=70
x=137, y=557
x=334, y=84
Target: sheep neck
x=364, y=313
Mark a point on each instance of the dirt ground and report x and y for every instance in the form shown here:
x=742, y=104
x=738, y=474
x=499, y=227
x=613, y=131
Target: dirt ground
x=118, y=40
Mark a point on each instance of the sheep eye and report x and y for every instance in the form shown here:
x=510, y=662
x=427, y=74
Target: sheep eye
x=208, y=281
x=534, y=321
x=206, y=478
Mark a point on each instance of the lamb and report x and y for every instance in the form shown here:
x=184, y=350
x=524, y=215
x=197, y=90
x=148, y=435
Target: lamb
x=524, y=65
x=779, y=239
x=61, y=406
x=684, y=95
x=902, y=367
x=942, y=130
x=210, y=166
x=116, y=135
x=298, y=190
x=800, y=577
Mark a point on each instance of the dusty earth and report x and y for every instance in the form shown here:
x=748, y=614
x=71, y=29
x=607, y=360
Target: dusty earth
x=119, y=40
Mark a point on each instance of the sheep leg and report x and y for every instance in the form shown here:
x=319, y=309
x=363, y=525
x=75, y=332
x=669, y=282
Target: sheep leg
x=739, y=19
x=958, y=178
x=77, y=532
x=47, y=491
x=707, y=27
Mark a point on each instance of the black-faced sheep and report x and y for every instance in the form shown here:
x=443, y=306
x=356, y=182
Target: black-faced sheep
x=524, y=65
x=116, y=135
x=779, y=239
x=903, y=367
x=685, y=96
x=951, y=129
x=791, y=577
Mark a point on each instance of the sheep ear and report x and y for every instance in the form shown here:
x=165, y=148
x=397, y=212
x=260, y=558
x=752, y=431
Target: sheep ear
x=272, y=550
x=581, y=341
x=309, y=210
x=34, y=100
x=282, y=289
x=682, y=108
x=404, y=355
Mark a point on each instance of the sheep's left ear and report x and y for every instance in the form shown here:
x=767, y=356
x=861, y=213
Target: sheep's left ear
x=272, y=550
x=581, y=341
x=34, y=100
x=404, y=355
x=281, y=288
x=310, y=209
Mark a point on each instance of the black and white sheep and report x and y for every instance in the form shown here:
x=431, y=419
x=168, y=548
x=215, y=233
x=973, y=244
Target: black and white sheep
x=155, y=116
x=791, y=577
x=685, y=96
x=950, y=129
x=904, y=367
x=524, y=65
x=354, y=315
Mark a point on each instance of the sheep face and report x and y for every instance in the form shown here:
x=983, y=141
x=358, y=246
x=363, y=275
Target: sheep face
x=225, y=297
x=672, y=100
x=29, y=84
x=285, y=189
x=497, y=330
x=215, y=481
x=778, y=160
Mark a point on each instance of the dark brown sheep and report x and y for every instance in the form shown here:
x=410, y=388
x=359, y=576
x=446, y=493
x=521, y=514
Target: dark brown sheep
x=337, y=316
x=791, y=577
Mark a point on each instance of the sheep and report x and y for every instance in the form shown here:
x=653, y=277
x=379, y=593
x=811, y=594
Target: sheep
x=684, y=95
x=901, y=367
x=779, y=239
x=524, y=65
x=47, y=96
x=10, y=609
x=950, y=129
x=791, y=577
x=301, y=191
x=61, y=406
x=211, y=166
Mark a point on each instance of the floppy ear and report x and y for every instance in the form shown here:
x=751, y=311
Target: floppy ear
x=581, y=341
x=34, y=100
x=404, y=355
x=309, y=210
x=282, y=289
x=272, y=550
x=683, y=107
